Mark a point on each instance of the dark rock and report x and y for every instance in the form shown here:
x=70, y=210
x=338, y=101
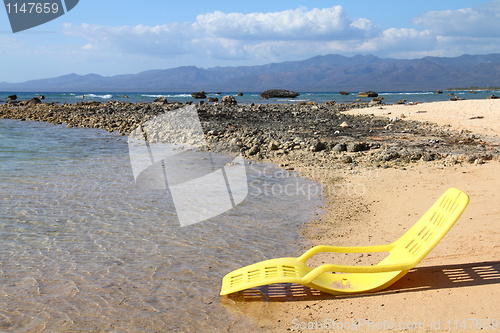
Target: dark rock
x=347, y=159
x=12, y=97
x=390, y=156
x=415, y=156
x=254, y=150
x=273, y=146
x=318, y=146
x=355, y=147
x=428, y=157
x=493, y=97
x=42, y=97
x=228, y=100
x=368, y=94
x=212, y=99
x=239, y=94
x=278, y=93
x=199, y=95
x=162, y=100
x=339, y=147
x=344, y=93
x=34, y=101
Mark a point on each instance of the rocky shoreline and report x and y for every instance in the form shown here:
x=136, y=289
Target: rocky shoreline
x=313, y=134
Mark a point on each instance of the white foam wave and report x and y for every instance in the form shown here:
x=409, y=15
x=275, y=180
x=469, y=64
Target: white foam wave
x=171, y=96
x=410, y=93
x=99, y=96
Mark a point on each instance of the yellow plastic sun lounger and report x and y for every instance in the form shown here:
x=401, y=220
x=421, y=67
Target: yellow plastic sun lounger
x=404, y=254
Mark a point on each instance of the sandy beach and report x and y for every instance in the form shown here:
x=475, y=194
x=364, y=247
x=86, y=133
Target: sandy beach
x=477, y=116
x=455, y=288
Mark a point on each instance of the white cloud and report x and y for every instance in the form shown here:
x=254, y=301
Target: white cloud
x=254, y=37
x=468, y=30
x=480, y=21
x=399, y=40
x=298, y=24
x=220, y=38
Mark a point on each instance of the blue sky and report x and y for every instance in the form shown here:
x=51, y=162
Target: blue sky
x=111, y=37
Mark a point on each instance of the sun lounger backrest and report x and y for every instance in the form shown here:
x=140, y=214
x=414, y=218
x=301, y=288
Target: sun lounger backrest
x=420, y=239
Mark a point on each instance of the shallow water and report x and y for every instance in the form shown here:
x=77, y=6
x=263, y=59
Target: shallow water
x=84, y=248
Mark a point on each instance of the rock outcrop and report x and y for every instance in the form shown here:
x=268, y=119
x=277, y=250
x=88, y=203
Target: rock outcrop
x=279, y=93
x=162, y=100
x=367, y=94
x=199, y=95
x=229, y=100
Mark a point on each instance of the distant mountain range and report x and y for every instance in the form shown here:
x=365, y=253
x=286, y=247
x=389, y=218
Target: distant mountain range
x=329, y=73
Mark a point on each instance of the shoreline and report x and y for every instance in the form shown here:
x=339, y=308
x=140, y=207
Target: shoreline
x=399, y=168
x=286, y=131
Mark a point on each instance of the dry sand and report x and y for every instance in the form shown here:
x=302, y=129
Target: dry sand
x=477, y=116
x=457, y=285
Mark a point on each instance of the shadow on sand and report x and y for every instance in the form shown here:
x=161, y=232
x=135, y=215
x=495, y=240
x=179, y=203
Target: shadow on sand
x=418, y=279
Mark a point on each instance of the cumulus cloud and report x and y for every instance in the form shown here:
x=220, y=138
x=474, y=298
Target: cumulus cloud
x=473, y=30
x=479, y=22
x=298, y=24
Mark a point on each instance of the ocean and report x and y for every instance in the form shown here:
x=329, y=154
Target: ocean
x=83, y=248
x=250, y=97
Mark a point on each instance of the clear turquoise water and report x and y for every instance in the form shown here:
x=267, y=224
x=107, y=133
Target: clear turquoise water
x=83, y=248
x=248, y=97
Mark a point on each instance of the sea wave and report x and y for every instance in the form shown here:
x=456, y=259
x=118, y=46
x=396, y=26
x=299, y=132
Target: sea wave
x=107, y=96
x=409, y=93
x=168, y=95
x=292, y=100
